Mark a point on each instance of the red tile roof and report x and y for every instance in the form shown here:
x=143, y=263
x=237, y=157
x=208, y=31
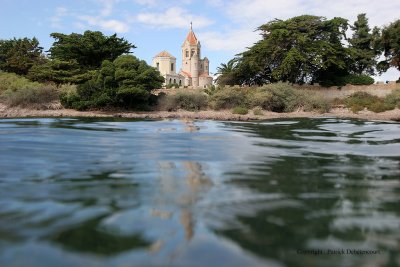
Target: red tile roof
x=164, y=54
x=191, y=38
x=184, y=73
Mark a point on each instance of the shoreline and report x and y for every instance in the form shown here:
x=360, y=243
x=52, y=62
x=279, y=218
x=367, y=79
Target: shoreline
x=225, y=115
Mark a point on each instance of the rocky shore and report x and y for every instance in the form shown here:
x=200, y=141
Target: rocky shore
x=226, y=115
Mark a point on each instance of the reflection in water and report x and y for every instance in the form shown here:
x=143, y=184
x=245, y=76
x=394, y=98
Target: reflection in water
x=195, y=193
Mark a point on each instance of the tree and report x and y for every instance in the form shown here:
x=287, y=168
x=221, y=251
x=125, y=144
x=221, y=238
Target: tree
x=298, y=50
x=226, y=73
x=19, y=55
x=89, y=49
x=59, y=71
x=390, y=44
x=363, y=52
x=125, y=82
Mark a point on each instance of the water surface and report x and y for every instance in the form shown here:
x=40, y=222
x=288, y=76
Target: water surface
x=96, y=192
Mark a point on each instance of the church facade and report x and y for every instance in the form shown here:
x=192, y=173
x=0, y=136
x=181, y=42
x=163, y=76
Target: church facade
x=195, y=70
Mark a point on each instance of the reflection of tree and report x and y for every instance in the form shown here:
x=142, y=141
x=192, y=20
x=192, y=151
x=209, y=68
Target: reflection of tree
x=89, y=238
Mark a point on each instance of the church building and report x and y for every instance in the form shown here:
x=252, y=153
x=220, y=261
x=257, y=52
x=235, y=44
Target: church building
x=194, y=71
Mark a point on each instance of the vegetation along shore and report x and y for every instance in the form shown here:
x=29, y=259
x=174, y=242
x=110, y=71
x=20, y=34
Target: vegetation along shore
x=94, y=75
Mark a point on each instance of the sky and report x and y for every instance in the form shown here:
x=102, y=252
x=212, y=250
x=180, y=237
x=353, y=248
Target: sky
x=224, y=27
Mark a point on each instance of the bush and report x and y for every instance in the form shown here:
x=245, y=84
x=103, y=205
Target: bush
x=277, y=97
x=393, y=98
x=227, y=98
x=19, y=91
x=31, y=97
x=14, y=82
x=68, y=95
x=172, y=85
x=258, y=111
x=360, y=100
x=240, y=110
x=192, y=101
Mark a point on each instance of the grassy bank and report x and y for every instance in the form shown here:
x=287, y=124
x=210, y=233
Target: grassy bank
x=16, y=91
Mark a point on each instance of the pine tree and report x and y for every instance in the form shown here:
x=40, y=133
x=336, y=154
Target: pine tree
x=363, y=52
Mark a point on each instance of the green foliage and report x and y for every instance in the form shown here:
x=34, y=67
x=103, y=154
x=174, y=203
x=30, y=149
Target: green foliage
x=172, y=85
x=192, y=101
x=226, y=73
x=60, y=72
x=240, y=110
x=14, y=82
x=89, y=49
x=353, y=79
x=126, y=82
x=363, y=50
x=19, y=55
x=360, y=100
x=228, y=98
x=390, y=44
x=298, y=50
x=19, y=91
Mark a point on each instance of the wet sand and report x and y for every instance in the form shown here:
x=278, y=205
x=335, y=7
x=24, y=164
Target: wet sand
x=225, y=115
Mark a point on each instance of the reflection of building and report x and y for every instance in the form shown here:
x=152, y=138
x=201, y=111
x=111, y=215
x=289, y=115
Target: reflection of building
x=194, y=71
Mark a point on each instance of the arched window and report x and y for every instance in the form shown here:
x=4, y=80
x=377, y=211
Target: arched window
x=187, y=53
x=174, y=80
x=170, y=80
x=180, y=82
x=172, y=66
x=158, y=66
x=193, y=51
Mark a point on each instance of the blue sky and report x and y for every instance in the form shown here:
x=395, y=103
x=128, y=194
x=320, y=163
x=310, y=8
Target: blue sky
x=224, y=27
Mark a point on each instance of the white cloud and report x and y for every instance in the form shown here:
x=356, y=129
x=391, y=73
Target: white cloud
x=256, y=12
x=234, y=41
x=174, y=17
x=106, y=24
x=149, y=3
x=55, y=21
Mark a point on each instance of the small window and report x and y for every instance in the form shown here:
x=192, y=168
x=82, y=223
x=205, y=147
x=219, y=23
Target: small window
x=158, y=66
x=180, y=82
x=187, y=53
x=186, y=62
x=172, y=66
x=193, y=52
x=170, y=80
x=174, y=81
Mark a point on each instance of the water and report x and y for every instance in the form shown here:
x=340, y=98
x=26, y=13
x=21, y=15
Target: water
x=89, y=192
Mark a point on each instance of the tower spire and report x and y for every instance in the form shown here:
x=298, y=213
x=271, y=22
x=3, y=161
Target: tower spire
x=191, y=24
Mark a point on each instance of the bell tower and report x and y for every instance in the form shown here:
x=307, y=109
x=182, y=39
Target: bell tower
x=191, y=57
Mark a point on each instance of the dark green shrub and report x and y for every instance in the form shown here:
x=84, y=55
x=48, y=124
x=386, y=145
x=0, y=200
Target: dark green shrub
x=356, y=79
x=353, y=79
